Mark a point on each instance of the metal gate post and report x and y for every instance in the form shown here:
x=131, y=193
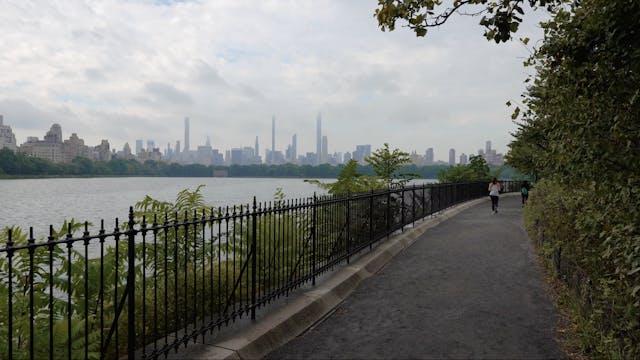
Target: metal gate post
x=131, y=293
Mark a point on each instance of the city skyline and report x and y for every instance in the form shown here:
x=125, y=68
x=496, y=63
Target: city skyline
x=288, y=153
x=89, y=68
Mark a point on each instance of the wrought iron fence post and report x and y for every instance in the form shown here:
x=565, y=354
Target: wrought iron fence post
x=370, y=219
x=348, y=225
x=10, y=297
x=402, y=211
x=131, y=275
x=254, y=259
x=388, y=220
x=413, y=206
x=313, y=239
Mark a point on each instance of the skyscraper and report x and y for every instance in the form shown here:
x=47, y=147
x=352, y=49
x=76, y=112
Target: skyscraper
x=186, y=134
x=150, y=145
x=257, y=149
x=428, y=157
x=452, y=156
x=138, y=146
x=318, y=139
x=273, y=139
x=325, y=150
x=362, y=152
x=294, y=148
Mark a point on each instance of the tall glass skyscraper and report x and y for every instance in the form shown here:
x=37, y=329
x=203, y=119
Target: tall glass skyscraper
x=319, y=139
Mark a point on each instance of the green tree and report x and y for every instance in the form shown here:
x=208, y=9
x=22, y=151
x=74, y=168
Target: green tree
x=578, y=130
x=477, y=169
x=500, y=18
x=350, y=181
x=386, y=163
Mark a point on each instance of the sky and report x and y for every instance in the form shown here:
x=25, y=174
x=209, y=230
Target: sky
x=126, y=70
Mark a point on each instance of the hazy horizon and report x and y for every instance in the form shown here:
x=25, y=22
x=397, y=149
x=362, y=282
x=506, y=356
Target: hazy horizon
x=127, y=70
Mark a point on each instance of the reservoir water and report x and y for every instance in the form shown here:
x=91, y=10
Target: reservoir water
x=41, y=202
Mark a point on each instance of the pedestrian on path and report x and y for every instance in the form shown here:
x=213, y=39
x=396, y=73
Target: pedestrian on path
x=524, y=191
x=494, y=193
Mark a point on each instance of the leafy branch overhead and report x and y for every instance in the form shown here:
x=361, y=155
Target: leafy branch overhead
x=501, y=18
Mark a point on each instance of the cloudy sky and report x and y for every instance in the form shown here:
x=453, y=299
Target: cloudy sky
x=133, y=69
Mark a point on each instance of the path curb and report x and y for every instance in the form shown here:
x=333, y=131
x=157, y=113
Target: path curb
x=286, y=323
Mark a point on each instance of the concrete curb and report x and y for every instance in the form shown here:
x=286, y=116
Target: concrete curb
x=286, y=323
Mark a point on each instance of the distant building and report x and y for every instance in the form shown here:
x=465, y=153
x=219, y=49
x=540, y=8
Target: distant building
x=318, y=139
x=338, y=157
x=416, y=159
x=102, y=151
x=428, y=157
x=257, y=148
x=236, y=156
x=249, y=157
x=7, y=138
x=204, y=155
x=150, y=145
x=138, y=146
x=74, y=147
x=186, y=134
x=217, y=158
x=293, y=150
x=463, y=159
x=52, y=148
x=361, y=153
x=490, y=155
x=452, y=156
x=125, y=153
x=325, y=150
x=308, y=159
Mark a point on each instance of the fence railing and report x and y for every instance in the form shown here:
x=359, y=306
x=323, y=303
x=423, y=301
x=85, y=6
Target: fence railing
x=151, y=285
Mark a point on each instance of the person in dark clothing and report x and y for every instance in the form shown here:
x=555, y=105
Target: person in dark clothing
x=524, y=191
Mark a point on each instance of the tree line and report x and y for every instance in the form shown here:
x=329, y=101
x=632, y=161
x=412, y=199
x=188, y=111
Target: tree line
x=19, y=165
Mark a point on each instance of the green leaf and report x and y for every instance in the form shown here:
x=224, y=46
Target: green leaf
x=515, y=114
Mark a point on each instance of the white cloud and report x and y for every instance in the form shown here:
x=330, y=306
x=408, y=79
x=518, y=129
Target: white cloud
x=124, y=70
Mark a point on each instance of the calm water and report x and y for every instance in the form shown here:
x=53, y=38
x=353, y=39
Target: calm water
x=40, y=202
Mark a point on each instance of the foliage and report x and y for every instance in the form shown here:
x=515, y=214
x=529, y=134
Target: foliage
x=500, y=18
x=476, y=169
x=597, y=254
x=76, y=288
x=386, y=164
x=44, y=284
x=580, y=131
x=187, y=253
x=350, y=181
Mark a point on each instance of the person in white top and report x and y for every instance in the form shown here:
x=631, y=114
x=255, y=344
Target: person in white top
x=494, y=193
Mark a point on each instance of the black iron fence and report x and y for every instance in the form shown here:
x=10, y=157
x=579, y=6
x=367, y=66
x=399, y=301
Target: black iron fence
x=148, y=286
